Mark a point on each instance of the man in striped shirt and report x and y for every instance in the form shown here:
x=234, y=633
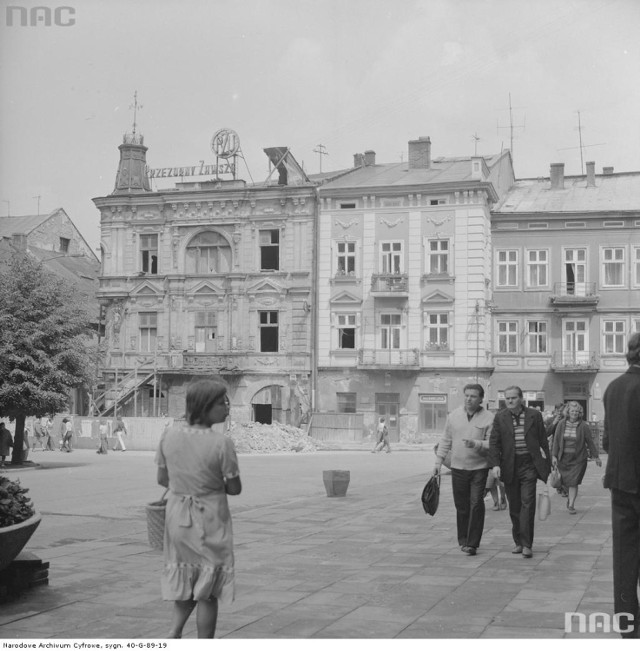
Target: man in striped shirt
x=519, y=455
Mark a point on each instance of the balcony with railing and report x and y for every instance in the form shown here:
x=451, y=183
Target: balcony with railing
x=574, y=294
x=390, y=285
x=575, y=362
x=388, y=358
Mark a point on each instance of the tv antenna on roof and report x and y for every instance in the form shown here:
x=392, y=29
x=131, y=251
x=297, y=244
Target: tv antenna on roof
x=475, y=137
x=511, y=127
x=321, y=150
x=581, y=146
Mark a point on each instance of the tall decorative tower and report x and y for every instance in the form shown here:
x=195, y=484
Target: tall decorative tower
x=132, y=170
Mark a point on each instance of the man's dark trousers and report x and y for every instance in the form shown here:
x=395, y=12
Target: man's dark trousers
x=625, y=522
x=468, y=497
x=521, y=494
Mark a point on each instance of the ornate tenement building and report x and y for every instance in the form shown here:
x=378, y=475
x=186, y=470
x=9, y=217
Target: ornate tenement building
x=207, y=277
x=566, y=279
x=404, y=281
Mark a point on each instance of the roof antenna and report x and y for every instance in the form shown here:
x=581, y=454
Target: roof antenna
x=511, y=127
x=321, y=151
x=475, y=137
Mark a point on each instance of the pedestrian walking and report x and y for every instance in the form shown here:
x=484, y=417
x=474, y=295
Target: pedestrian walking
x=382, y=436
x=200, y=467
x=66, y=431
x=519, y=455
x=39, y=434
x=48, y=430
x=621, y=440
x=571, y=441
x=120, y=430
x=6, y=443
x=466, y=435
x=103, y=431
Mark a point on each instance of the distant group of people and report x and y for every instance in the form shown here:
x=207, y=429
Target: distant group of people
x=119, y=430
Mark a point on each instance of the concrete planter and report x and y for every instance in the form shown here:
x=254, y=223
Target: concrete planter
x=15, y=537
x=336, y=482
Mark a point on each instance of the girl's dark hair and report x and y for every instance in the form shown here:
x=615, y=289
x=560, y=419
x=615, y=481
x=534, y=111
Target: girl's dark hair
x=633, y=354
x=200, y=398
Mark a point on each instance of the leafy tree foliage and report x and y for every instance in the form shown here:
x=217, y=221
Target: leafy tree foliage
x=44, y=328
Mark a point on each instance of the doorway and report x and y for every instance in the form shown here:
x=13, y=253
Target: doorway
x=387, y=405
x=263, y=414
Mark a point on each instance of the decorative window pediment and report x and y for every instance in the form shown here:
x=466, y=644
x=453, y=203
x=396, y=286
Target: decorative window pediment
x=346, y=298
x=437, y=298
x=205, y=293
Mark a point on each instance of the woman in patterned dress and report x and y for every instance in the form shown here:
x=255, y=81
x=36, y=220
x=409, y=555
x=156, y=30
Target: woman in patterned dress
x=199, y=466
x=571, y=440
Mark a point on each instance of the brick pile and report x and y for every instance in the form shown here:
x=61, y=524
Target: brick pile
x=261, y=438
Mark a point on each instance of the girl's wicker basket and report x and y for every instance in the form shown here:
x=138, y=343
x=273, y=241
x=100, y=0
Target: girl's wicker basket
x=155, y=522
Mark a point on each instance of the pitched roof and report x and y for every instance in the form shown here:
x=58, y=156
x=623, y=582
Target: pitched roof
x=612, y=192
x=442, y=170
x=20, y=224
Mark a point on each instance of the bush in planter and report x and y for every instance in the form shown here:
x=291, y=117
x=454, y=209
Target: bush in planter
x=15, y=506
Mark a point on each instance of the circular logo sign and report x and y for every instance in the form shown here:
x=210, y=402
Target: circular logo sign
x=225, y=143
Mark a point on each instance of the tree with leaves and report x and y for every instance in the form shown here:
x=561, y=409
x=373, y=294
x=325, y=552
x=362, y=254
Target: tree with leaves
x=44, y=343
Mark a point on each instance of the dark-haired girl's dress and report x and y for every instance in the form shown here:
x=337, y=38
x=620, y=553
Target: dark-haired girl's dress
x=198, y=537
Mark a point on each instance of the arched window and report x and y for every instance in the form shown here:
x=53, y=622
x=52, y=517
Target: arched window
x=208, y=252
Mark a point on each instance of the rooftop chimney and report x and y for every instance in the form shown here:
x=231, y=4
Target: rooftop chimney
x=19, y=241
x=607, y=170
x=420, y=153
x=358, y=160
x=591, y=174
x=369, y=157
x=557, y=176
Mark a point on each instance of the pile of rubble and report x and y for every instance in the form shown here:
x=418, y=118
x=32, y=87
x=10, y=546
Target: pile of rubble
x=257, y=437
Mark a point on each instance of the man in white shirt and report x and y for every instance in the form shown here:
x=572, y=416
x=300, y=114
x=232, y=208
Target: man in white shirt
x=466, y=434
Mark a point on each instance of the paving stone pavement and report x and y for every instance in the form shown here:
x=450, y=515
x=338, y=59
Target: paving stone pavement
x=369, y=565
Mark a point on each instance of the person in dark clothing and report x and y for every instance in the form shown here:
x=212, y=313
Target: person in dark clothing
x=519, y=455
x=621, y=441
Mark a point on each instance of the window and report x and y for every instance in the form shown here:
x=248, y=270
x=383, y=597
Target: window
x=438, y=256
x=64, y=244
x=205, y=332
x=636, y=266
x=208, y=252
x=575, y=341
x=438, y=330
x=635, y=325
x=613, y=267
x=268, y=332
x=346, y=403
x=575, y=271
x=537, y=337
x=346, y=259
x=537, y=268
x=148, y=325
x=270, y=250
x=346, y=331
x=614, y=337
x=149, y=253
x=389, y=331
x=507, y=268
x=391, y=258
x=507, y=336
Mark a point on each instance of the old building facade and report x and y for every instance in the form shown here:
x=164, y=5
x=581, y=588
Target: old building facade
x=404, y=279
x=212, y=276
x=566, y=285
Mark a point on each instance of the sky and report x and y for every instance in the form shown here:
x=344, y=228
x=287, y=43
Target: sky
x=350, y=75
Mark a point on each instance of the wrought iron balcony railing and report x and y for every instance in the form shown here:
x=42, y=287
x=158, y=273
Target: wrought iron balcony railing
x=390, y=284
x=396, y=357
x=575, y=293
x=572, y=361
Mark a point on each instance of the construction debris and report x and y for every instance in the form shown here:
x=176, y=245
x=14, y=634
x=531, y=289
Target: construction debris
x=276, y=437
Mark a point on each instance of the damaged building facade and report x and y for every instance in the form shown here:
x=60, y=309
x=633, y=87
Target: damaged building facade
x=212, y=276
